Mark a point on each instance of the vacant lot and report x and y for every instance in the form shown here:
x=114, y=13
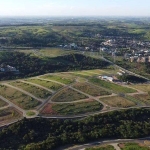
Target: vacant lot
x=9, y=114
x=116, y=101
x=145, y=98
x=2, y=103
x=111, y=86
x=47, y=84
x=142, y=87
x=68, y=95
x=105, y=147
x=36, y=91
x=86, y=106
x=22, y=100
x=58, y=78
x=90, y=89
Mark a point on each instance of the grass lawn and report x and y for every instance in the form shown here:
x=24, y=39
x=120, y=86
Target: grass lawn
x=111, y=86
x=145, y=98
x=58, y=78
x=78, y=74
x=2, y=103
x=133, y=146
x=47, y=84
x=90, y=89
x=105, y=147
x=116, y=101
x=36, y=91
x=142, y=87
x=30, y=113
x=9, y=114
x=68, y=95
x=22, y=100
x=84, y=107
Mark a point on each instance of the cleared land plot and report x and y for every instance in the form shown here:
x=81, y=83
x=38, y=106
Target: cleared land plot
x=2, y=103
x=78, y=74
x=68, y=95
x=47, y=84
x=142, y=87
x=22, y=100
x=104, y=147
x=9, y=114
x=58, y=78
x=84, y=107
x=111, y=86
x=90, y=89
x=36, y=91
x=145, y=98
x=116, y=101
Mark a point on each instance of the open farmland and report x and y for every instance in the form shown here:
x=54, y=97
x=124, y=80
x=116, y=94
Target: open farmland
x=90, y=89
x=2, y=103
x=141, y=87
x=47, y=84
x=22, y=100
x=111, y=86
x=9, y=114
x=116, y=101
x=68, y=95
x=58, y=78
x=144, y=98
x=84, y=107
x=36, y=91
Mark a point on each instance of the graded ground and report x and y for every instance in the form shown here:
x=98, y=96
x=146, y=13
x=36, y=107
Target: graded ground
x=2, y=103
x=84, y=107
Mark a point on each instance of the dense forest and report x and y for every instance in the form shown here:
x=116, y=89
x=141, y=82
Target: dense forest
x=31, y=65
x=39, y=133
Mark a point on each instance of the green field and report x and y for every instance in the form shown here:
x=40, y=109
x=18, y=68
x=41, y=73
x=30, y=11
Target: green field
x=141, y=87
x=58, y=78
x=9, y=114
x=106, y=147
x=111, y=86
x=22, y=100
x=68, y=95
x=84, y=107
x=90, y=89
x=2, y=103
x=47, y=84
x=116, y=101
x=36, y=91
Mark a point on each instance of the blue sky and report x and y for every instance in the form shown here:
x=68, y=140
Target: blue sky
x=74, y=7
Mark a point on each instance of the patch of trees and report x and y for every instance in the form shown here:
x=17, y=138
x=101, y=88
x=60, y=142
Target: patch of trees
x=31, y=65
x=39, y=133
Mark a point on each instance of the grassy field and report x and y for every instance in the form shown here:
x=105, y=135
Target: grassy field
x=111, y=86
x=59, y=78
x=68, y=95
x=2, y=103
x=47, y=84
x=90, y=89
x=141, y=87
x=105, y=147
x=84, y=107
x=133, y=146
x=22, y=100
x=143, y=98
x=9, y=114
x=36, y=91
x=116, y=101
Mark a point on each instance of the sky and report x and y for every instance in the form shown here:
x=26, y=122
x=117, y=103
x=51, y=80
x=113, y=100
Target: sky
x=75, y=8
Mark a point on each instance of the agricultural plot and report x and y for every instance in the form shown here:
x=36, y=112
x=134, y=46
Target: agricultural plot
x=47, y=84
x=36, y=91
x=111, y=86
x=144, y=98
x=78, y=74
x=2, y=103
x=84, y=107
x=116, y=101
x=9, y=114
x=22, y=100
x=58, y=78
x=68, y=95
x=142, y=87
x=91, y=89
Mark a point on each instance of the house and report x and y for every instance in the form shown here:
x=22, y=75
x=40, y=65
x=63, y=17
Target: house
x=107, y=78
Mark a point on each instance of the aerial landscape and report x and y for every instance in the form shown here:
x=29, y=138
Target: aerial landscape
x=73, y=77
